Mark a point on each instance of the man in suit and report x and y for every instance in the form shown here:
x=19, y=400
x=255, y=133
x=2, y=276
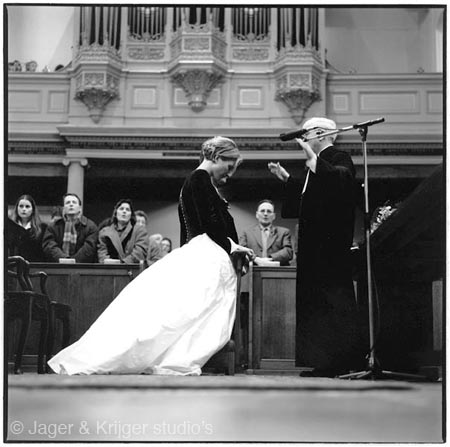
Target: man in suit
x=269, y=242
x=324, y=203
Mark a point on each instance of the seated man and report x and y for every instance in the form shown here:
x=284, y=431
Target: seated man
x=269, y=242
x=72, y=235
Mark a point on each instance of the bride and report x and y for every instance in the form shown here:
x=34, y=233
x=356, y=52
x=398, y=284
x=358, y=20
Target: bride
x=180, y=311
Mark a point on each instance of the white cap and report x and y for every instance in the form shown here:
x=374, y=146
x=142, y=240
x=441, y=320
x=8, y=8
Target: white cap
x=323, y=123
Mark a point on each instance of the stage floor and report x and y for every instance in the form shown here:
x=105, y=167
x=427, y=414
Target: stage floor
x=241, y=408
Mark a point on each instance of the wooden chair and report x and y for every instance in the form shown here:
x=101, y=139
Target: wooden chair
x=230, y=355
x=59, y=312
x=48, y=314
x=25, y=305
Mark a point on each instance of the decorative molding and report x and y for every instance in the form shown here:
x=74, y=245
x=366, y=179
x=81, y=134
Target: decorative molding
x=98, y=53
x=197, y=85
x=145, y=52
x=298, y=101
x=95, y=100
x=251, y=54
x=298, y=73
x=198, y=43
x=67, y=161
x=25, y=101
x=299, y=54
x=110, y=144
x=96, y=90
x=37, y=148
x=146, y=37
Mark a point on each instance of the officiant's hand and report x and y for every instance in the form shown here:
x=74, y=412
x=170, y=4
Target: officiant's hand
x=278, y=170
x=311, y=157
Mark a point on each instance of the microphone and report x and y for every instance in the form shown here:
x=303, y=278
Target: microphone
x=294, y=134
x=368, y=123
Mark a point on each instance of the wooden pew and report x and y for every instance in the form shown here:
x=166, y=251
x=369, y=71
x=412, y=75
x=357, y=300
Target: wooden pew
x=88, y=288
x=408, y=259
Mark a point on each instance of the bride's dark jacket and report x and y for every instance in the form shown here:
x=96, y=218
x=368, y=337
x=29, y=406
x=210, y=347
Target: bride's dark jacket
x=202, y=210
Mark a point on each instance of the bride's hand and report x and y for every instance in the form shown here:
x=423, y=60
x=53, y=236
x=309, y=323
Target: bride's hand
x=248, y=251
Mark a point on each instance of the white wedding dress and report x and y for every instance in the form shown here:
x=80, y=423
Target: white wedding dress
x=169, y=320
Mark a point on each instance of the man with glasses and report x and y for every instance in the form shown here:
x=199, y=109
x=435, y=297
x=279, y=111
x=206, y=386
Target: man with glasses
x=327, y=334
x=269, y=242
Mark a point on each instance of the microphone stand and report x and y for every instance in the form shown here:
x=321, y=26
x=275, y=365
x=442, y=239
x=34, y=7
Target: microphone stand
x=374, y=370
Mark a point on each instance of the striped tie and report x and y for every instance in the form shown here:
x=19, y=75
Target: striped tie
x=264, y=237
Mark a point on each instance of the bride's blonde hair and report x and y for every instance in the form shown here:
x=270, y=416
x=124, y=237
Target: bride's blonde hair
x=220, y=147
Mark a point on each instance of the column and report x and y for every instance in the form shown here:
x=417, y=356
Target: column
x=75, y=175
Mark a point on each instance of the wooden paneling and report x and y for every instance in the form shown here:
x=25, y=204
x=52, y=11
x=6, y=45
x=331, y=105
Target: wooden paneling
x=408, y=264
x=272, y=317
x=88, y=288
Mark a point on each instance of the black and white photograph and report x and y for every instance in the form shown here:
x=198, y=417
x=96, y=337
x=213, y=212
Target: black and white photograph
x=224, y=222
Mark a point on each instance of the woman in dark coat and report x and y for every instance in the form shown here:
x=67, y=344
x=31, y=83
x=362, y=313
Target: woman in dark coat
x=123, y=240
x=179, y=311
x=25, y=230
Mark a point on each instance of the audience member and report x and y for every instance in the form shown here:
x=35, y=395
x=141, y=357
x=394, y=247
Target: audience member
x=166, y=246
x=269, y=242
x=56, y=212
x=154, y=248
x=141, y=218
x=72, y=235
x=124, y=239
x=25, y=230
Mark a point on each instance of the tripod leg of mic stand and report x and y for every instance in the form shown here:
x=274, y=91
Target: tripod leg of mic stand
x=356, y=375
x=404, y=376
x=381, y=374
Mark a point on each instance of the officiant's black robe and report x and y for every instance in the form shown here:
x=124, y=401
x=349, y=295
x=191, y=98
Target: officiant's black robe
x=326, y=312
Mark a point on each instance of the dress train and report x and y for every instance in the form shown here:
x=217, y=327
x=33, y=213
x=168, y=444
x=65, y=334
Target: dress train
x=169, y=320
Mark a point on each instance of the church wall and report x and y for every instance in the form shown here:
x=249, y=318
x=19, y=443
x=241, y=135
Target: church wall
x=380, y=40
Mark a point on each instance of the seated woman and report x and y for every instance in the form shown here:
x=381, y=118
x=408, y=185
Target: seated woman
x=141, y=218
x=25, y=230
x=122, y=239
x=166, y=246
x=180, y=311
x=154, y=248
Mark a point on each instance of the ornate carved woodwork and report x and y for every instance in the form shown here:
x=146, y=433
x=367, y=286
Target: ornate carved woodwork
x=197, y=85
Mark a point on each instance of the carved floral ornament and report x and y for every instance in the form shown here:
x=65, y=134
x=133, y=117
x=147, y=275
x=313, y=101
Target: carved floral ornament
x=197, y=84
x=251, y=54
x=144, y=52
x=96, y=90
x=298, y=101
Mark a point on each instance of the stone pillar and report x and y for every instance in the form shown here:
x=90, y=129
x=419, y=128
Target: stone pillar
x=75, y=175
